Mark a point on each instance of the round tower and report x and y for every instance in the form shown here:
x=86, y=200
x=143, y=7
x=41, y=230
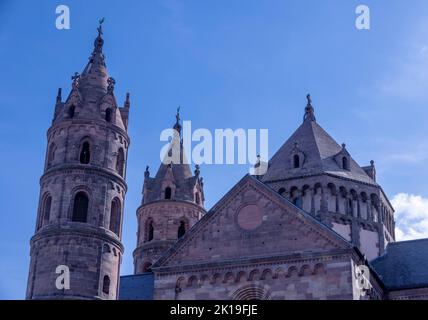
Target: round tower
x=173, y=201
x=76, y=250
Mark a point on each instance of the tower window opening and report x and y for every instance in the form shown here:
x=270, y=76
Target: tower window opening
x=106, y=284
x=46, y=211
x=85, y=153
x=296, y=161
x=71, y=111
x=115, y=216
x=51, y=154
x=150, y=231
x=168, y=193
x=181, y=229
x=120, y=162
x=108, y=115
x=281, y=191
x=80, y=207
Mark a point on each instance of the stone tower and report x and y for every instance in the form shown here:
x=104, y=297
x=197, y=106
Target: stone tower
x=173, y=201
x=82, y=190
x=320, y=176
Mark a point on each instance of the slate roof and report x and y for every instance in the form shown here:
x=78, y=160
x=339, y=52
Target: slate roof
x=137, y=287
x=404, y=265
x=319, y=149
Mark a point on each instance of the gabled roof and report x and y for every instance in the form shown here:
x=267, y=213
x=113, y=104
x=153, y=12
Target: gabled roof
x=216, y=218
x=404, y=265
x=320, y=151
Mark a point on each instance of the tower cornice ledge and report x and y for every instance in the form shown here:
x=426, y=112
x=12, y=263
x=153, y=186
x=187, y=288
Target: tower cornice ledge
x=171, y=202
x=77, y=229
x=66, y=169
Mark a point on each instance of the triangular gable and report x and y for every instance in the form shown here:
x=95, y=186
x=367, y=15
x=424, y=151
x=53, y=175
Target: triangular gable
x=251, y=221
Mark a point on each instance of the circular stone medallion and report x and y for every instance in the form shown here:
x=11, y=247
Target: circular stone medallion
x=250, y=217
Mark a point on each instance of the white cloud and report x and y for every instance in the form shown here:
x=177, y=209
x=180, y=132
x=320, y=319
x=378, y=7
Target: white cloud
x=411, y=215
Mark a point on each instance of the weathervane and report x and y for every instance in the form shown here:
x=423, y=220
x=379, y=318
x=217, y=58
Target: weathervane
x=100, y=27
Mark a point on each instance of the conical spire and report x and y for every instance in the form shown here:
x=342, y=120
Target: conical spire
x=95, y=75
x=309, y=110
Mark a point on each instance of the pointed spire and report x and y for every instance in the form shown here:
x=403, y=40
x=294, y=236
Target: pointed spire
x=59, y=96
x=177, y=125
x=95, y=75
x=309, y=110
x=127, y=101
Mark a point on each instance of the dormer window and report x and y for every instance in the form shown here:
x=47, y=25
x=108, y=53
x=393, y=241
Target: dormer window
x=168, y=193
x=297, y=157
x=345, y=163
x=71, y=111
x=296, y=161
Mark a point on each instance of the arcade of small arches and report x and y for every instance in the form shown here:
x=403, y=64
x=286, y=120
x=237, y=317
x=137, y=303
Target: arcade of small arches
x=249, y=275
x=330, y=198
x=79, y=209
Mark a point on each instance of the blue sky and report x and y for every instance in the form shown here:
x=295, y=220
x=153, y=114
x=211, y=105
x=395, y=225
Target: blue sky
x=229, y=64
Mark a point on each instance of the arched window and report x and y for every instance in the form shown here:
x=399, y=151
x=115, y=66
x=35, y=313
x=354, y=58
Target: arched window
x=106, y=284
x=281, y=191
x=181, y=229
x=85, y=153
x=147, y=266
x=149, y=231
x=120, y=162
x=168, y=192
x=46, y=211
x=345, y=163
x=115, y=212
x=296, y=161
x=51, y=153
x=71, y=111
x=108, y=115
x=80, y=207
x=297, y=202
x=350, y=207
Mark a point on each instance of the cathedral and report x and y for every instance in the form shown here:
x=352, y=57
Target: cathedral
x=315, y=225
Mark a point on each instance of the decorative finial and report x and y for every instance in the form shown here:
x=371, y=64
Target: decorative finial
x=197, y=170
x=127, y=101
x=344, y=145
x=308, y=97
x=111, y=82
x=75, y=79
x=309, y=110
x=372, y=163
x=177, y=125
x=147, y=172
x=100, y=27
